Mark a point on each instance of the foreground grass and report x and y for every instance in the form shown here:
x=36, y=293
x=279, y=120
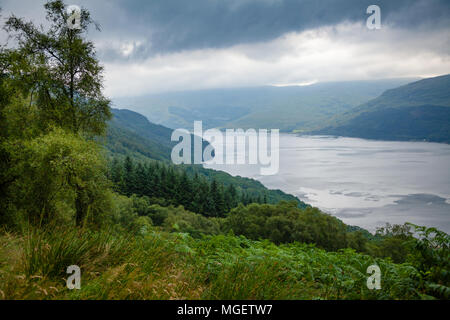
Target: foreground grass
x=158, y=265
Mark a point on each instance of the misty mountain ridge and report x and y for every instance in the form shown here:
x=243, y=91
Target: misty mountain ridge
x=286, y=108
x=416, y=111
x=394, y=109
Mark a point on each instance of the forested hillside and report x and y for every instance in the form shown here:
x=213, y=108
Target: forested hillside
x=131, y=134
x=142, y=228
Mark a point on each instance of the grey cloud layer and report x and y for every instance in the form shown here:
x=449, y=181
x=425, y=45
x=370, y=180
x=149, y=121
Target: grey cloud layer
x=161, y=26
x=172, y=25
x=173, y=45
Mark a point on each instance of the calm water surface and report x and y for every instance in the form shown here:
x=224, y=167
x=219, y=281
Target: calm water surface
x=363, y=182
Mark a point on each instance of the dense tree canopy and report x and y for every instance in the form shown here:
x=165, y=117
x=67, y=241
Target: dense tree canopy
x=208, y=197
x=51, y=104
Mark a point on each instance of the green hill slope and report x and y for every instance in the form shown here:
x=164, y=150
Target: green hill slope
x=143, y=139
x=130, y=133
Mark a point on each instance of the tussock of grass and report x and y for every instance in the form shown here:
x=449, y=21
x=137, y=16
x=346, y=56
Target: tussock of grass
x=49, y=253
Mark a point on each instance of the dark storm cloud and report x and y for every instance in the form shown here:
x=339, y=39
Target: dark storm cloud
x=163, y=26
x=179, y=24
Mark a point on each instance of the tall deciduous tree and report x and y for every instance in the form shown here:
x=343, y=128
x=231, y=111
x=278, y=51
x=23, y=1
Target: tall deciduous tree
x=60, y=70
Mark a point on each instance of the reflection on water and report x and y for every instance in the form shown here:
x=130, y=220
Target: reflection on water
x=363, y=182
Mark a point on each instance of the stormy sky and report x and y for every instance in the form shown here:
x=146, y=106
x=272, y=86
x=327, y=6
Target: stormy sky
x=172, y=45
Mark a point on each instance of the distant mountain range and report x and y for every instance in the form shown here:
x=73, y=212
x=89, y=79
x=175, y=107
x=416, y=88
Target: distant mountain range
x=399, y=109
x=416, y=111
x=284, y=108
